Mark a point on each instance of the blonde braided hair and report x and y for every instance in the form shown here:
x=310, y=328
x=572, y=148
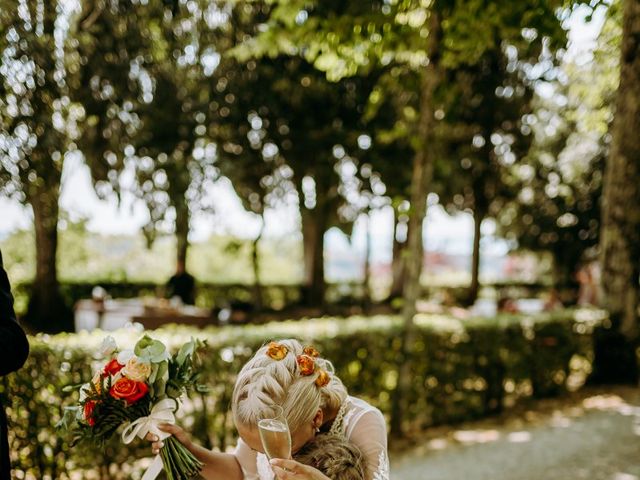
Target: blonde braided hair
x=264, y=382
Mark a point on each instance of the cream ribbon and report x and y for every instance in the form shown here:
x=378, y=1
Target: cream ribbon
x=162, y=412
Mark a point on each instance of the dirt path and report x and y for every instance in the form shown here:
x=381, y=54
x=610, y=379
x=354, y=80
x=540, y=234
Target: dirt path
x=593, y=435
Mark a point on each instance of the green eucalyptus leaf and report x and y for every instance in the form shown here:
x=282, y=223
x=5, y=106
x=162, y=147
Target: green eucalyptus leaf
x=150, y=350
x=186, y=350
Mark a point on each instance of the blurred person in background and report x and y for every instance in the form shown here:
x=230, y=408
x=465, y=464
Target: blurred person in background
x=14, y=349
x=589, y=278
x=182, y=285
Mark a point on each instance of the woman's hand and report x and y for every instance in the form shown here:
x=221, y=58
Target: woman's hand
x=292, y=470
x=175, y=431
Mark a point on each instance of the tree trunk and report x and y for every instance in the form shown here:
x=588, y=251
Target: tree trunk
x=615, y=359
x=421, y=177
x=47, y=311
x=397, y=262
x=182, y=230
x=366, y=278
x=314, y=225
x=474, y=287
x=255, y=261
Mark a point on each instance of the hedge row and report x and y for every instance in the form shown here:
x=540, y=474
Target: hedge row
x=462, y=370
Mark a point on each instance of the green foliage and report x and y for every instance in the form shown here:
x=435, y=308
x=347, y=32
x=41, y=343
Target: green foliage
x=37, y=120
x=559, y=182
x=460, y=370
x=146, y=106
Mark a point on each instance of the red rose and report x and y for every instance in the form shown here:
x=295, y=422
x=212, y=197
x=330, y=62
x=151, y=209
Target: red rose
x=129, y=390
x=112, y=367
x=89, y=405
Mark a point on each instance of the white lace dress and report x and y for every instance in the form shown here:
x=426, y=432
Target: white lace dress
x=356, y=421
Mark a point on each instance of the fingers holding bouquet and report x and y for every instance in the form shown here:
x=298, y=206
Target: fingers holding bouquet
x=174, y=430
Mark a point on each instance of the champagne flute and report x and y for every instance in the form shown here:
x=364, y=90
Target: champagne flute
x=275, y=435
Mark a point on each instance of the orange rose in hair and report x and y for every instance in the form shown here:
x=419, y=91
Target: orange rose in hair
x=277, y=351
x=312, y=352
x=129, y=390
x=323, y=378
x=306, y=364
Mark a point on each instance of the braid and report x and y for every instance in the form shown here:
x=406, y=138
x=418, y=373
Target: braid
x=264, y=382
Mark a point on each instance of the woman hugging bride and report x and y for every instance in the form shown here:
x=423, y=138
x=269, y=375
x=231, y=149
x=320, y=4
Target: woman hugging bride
x=333, y=435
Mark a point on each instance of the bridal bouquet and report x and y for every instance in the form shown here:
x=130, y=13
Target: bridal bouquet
x=137, y=390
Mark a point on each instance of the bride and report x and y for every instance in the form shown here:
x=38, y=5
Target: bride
x=313, y=399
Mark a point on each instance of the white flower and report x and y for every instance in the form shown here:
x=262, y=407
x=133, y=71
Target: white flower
x=108, y=346
x=124, y=356
x=136, y=369
x=83, y=391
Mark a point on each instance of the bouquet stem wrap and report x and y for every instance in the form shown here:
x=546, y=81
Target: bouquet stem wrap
x=178, y=462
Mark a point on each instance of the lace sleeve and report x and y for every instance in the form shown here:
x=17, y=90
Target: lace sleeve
x=369, y=433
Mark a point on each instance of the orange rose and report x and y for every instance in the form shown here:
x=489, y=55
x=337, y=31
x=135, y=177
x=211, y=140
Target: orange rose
x=129, y=390
x=89, y=405
x=306, y=364
x=112, y=367
x=312, y=352
x=323, y=378
x=277, y=351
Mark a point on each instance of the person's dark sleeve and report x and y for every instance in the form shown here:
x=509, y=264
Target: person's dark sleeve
x=14, y=347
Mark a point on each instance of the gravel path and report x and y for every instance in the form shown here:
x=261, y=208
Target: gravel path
x=595, y=437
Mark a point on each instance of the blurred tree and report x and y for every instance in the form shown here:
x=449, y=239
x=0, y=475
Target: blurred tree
x=559, y=182
x=557, y=206
x=37, y=127
x=246, y=153
x=620, y=232
x=146, y=108
x=482, y=134
x=388, y=120
x=308, y=121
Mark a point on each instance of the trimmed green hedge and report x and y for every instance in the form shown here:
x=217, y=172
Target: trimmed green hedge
x=462, y=370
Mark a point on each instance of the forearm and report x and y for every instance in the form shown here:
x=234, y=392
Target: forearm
x=217, y=466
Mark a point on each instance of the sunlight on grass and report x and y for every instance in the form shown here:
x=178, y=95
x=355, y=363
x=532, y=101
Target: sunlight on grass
x=476, y=436
x=560, y=421
x=519, y=437
x=437, y=444
x=624, y=476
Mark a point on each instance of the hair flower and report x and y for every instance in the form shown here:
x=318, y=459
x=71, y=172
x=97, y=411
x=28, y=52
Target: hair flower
x=306, y=364
x=323, y=378
x=277, y=351
x=312, y=352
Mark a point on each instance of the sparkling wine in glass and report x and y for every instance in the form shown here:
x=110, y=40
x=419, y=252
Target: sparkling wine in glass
x=275, y=436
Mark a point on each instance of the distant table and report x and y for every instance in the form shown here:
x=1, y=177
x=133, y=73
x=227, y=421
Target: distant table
x=187, y=315
x=113, y=314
